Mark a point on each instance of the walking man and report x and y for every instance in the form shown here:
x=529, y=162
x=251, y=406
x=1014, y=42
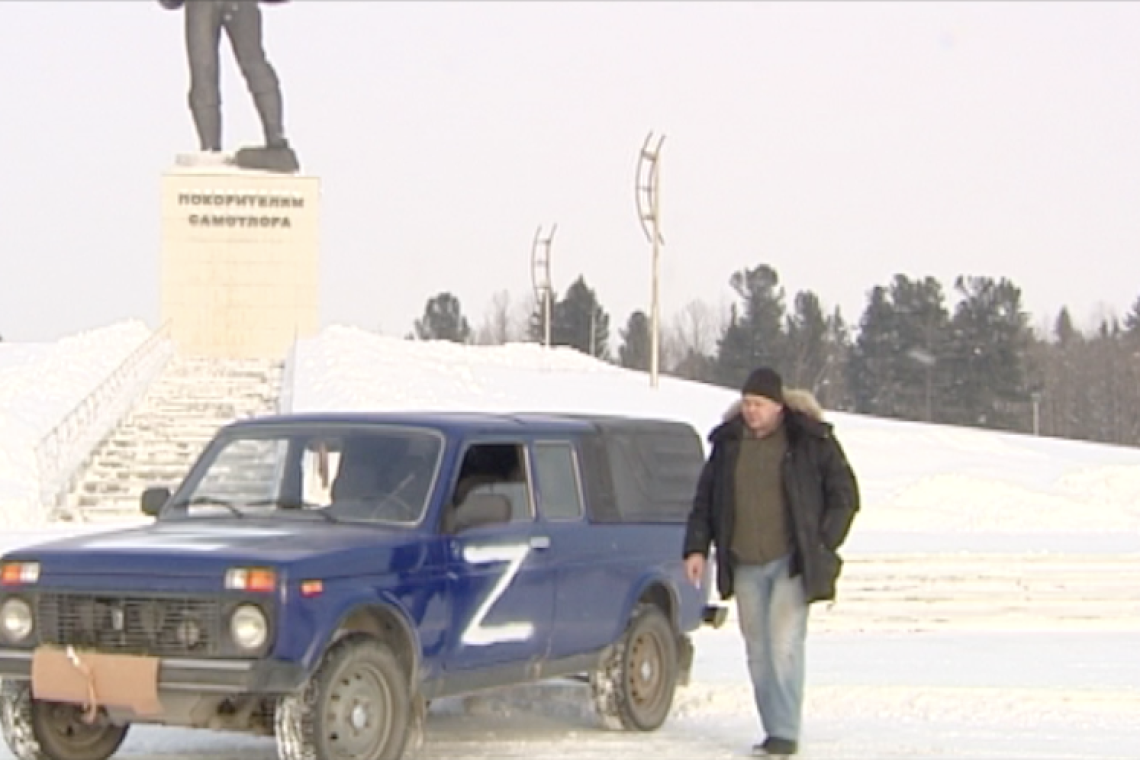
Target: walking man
x=776, y=497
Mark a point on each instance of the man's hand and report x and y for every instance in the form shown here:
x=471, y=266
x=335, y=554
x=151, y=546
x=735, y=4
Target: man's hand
x=695, y=568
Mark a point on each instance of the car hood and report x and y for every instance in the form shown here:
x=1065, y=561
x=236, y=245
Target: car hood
x=201, y=547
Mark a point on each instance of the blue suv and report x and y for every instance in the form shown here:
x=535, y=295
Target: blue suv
x=321, y=578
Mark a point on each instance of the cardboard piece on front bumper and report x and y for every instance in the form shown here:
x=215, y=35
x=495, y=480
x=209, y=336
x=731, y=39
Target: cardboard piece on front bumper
x=119, y=680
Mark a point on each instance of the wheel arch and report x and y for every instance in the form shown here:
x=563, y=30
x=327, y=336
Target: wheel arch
x=657, y=591
x=384, y=621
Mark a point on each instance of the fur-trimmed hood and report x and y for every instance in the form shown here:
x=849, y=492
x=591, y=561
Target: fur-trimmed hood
x=802, y=412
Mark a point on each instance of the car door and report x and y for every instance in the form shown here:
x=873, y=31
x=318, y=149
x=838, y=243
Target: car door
x=501, y=586
x=588, y=595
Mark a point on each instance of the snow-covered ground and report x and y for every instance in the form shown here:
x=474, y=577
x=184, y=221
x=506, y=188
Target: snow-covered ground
x=990, y=606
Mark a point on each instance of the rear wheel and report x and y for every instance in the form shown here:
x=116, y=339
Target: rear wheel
x=36, y=730
x=634, y=684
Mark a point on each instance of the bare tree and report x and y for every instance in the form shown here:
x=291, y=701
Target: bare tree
x=521, y=314
x=496, y=328
x=689, y=342
x=696, y=327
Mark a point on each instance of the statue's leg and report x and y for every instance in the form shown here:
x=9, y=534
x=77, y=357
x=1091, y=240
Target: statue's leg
x=203, y=34
x=243, y=26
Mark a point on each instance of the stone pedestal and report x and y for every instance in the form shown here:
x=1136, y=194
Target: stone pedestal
x=239, y=258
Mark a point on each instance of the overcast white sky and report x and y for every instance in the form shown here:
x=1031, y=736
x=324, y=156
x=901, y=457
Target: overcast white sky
x=841, y=143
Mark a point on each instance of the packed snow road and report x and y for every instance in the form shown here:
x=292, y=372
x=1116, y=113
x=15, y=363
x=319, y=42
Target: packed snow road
x=969, y=696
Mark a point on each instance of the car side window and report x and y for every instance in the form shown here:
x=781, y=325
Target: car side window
x=556, y=474
x=492, y=468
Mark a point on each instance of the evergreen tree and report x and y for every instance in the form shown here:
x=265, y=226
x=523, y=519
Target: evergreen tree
x=1065, y=333
x=922, y=322
x=986, y=353
x=896, y=363
x=1060, y=387
x=636, y=345
x=1129, y=346
x=808, y=353
x=870, y=374
x=832, y=391
x=1132, y=320
x=1103, y=408
x=578, y=321
x=443, y=320
x=734, y=357
x=755, y=334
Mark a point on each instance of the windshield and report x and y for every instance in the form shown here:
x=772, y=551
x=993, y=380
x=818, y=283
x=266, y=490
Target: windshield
x=375, y=474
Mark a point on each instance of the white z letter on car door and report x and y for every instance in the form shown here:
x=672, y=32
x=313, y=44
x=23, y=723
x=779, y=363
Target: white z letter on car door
x=478, y=634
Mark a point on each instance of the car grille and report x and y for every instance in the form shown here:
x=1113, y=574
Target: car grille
x=151, y=625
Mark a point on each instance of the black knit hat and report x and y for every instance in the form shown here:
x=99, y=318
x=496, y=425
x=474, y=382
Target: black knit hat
x=765, y=382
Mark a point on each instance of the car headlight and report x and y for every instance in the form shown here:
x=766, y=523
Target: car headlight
x=248, y=627
x=16, y=620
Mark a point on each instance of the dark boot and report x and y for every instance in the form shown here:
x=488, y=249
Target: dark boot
x=208, y=122
x=775, y=747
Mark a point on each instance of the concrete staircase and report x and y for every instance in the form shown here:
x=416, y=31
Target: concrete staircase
x=160, y=439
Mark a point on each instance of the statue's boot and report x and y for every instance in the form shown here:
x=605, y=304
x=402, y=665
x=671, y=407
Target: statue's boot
x=277, y=156
x=208, y=122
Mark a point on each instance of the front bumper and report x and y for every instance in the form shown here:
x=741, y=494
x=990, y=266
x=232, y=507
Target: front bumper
x=195, y=676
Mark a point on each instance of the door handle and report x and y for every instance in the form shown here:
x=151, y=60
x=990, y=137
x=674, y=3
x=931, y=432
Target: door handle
x=540, y=542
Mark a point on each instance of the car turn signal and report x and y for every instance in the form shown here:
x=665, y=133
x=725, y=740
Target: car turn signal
x=255, y=579
x=19, y=573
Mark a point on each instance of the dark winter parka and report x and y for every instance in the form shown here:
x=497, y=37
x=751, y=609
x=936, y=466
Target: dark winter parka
x=820, y=492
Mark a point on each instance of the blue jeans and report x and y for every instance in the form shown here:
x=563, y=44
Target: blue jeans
x=773, y=619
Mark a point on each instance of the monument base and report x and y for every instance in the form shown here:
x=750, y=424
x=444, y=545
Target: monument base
x=239, y=257
x=205, y=159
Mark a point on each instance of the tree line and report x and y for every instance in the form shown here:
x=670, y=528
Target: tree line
x=968, y=357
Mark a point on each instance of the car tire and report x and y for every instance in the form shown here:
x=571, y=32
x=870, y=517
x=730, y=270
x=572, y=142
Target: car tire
x=634, y=684
x=356, y=706
x=38, y=730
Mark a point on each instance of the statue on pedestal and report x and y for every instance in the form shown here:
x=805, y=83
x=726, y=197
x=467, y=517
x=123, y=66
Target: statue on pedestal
x=241, y=21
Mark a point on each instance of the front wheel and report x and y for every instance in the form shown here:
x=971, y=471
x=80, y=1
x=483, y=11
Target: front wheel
x=37, y=730
x=634, y=684
x=355, y=707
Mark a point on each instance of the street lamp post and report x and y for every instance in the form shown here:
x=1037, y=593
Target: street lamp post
x=647, y=193
x=540, y=276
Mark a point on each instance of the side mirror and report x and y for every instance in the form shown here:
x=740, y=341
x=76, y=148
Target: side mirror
x=482, y=509
x=152, y=500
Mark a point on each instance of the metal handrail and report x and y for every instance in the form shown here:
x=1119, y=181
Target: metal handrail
x=63, y=452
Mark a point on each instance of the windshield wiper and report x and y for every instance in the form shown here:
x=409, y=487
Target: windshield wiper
x=290, y=505
x=210, y=501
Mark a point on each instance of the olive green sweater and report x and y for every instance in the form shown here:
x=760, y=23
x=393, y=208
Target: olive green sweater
x=761, y=531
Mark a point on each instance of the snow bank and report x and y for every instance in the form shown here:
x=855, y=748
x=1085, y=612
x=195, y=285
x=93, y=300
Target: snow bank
x=40, y=383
